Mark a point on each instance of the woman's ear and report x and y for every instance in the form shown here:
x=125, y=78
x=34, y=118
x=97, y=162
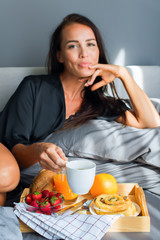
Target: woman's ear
x=59, y=57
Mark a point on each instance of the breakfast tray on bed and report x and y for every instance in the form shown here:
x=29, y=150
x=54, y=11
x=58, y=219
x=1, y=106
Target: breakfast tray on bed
x=139, y=223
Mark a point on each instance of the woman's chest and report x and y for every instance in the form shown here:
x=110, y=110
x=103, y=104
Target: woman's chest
x=72, y=106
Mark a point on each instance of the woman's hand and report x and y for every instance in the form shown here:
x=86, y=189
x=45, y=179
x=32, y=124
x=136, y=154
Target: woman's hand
x=107, y=72
x=50, y=156
x=144, y=114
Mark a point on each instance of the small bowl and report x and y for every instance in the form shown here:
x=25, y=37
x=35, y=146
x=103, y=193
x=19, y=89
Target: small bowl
x=51, y=209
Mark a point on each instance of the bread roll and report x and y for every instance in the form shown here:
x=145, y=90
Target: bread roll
x=43, y=181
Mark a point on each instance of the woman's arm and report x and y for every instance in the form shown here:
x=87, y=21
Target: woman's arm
x=31, y=114
x=144, y=114
x=9, y=173
x=48, y=155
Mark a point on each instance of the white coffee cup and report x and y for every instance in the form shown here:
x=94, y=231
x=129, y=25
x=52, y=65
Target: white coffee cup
x=80, y=175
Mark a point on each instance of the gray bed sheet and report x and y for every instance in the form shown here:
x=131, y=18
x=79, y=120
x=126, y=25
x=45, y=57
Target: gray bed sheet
x=128, y=153
x=101, y=140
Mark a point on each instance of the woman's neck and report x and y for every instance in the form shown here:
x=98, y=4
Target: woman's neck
x=72, y=87
x=72, y=93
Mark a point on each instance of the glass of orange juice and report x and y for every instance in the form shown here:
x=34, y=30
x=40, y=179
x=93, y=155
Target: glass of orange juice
x=61, y=185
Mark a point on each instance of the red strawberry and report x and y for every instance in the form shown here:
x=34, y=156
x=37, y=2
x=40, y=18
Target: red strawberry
x=43, y=200
x=51, y=194
x=39, y=211
x=37, y=195
x=49, y=212
x=46, y=207
x=30, y=209
x=34, y=203
x=33, y=206
x=60, y=196
x=28, y=198
x=55, y=201
x=45, y=194
x=56, y=208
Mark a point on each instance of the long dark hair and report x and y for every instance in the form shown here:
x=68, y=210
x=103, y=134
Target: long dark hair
x=94, y=102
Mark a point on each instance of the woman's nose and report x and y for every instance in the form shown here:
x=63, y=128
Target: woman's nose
x=83, y=52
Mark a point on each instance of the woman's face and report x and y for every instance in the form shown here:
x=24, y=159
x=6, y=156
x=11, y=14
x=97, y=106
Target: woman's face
x=78, y=51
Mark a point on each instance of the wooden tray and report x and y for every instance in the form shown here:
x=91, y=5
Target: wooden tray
x=140, y=223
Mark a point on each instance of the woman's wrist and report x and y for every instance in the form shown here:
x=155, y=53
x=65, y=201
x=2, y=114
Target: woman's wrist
x=125, y=76
x=123, y=72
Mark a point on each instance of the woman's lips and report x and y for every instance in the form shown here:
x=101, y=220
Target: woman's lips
x=84, y=65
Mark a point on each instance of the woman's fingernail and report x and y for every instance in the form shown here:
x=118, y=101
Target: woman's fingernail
x=91, y=66
x=89, y=83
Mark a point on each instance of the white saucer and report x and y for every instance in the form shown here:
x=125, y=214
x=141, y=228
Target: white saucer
x=138, y=209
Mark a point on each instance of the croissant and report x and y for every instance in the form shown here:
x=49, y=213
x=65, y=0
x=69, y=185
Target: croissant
x=43, y=181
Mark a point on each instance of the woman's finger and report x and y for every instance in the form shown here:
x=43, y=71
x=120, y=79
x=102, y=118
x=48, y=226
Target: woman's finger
x=47, y=163
x=55, y=157
x=93, y=77
x=51, y=166
x=61, y=153
x=107, y=67
x=98, y=85
x=102, y=66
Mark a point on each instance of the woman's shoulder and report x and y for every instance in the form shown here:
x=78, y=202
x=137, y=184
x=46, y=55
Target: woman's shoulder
x=41, y=81
x=37, y=84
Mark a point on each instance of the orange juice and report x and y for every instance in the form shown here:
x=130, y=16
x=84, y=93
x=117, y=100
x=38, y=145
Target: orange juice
x=61, y=185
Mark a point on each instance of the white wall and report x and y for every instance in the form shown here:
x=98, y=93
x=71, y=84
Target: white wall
x=130, y=29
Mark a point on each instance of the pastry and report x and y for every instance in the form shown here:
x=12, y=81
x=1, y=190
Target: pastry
x=114, y=204
x=43, y=181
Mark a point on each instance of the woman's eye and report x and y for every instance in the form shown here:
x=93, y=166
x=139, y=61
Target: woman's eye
x=72, y=46
x=91, y=44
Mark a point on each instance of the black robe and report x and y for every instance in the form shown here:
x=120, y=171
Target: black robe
x=36, y=109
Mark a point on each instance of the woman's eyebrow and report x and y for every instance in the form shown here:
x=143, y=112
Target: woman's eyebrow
x=91, y=39
x=76, y=41
x=70, y=41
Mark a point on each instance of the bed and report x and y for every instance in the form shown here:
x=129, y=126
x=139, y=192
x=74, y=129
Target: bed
x=134, y=156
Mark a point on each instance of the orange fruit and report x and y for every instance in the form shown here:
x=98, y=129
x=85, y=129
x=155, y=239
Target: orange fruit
x=104, y=183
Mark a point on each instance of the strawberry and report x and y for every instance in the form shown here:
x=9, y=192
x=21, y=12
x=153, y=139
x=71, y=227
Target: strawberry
x=30, y=209
x=60, y=196
x=45, y=207
x=55, y=201
x=39, y=211
x=45, y=194
x=56, y=208
x=43, y=200
x=51, y=194
x=34, y=203
x=49, y=212
x=37, y=195
x=28, y=198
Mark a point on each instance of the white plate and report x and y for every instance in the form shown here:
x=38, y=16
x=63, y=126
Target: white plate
x=138, y=209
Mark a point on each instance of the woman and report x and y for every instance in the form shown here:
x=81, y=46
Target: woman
x=70, y=95
x=9, y=173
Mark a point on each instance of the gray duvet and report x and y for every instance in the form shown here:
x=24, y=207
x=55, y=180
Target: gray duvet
x=130, y=154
